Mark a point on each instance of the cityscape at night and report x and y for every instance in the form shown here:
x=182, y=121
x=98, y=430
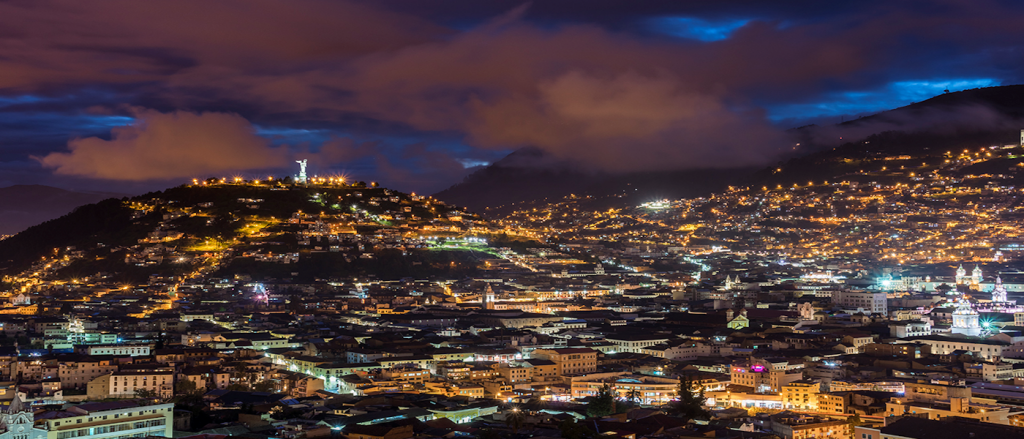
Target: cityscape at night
x=582, y=219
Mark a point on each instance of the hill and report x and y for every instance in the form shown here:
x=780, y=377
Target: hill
x=22, y=206
x=257, y=229
x=528, y=177
x=925, y=130
x=929, y=132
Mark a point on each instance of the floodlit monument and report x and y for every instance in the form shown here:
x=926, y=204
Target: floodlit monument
x=301, y=178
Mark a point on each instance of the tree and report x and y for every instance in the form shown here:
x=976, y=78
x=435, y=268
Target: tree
x=488, y=433
x=575, y=430
x=633, y=396
x=854, y=420
x=603, y=404
x=186, y=387
x=514, y=419
x=160, y=341
x=146, y=394
x=264, y=386
x=691, y=402
x=535, y=403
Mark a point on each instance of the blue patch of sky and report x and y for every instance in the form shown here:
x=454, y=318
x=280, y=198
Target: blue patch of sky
x=102, y=121
x=858, y=102
x=22, y=99
x=24, y=133
x=472, y=163
x=700, y=29
x=292, y=136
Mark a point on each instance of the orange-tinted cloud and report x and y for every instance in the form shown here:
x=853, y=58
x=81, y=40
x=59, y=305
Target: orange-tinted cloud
x=614, y=99
x=161, y=146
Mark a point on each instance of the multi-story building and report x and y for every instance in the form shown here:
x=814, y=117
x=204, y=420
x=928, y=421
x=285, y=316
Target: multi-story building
x=681, y=352
x=643, y=388
x=801, y=395
x=904, y=350
x=953, y=407
x=206, y=378
x=874, y=302
x=300, y=385
x=985, y=349
x=134, y=350
x=570, y=361
x=76, y=373
x=451, y=390
x=936, y=390
x=763, y=376
x=514, y=372
x=405, y=374
x=109, y=420
x=791, y=425
x=127, y=384
x=92, y=337
x=636, y=343
x=911, y=328
x=835, y=402
x=542, y=370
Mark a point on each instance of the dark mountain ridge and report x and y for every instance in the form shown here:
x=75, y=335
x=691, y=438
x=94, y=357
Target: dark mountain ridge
x=22, y=206
x=528, y=176
x=925, y=130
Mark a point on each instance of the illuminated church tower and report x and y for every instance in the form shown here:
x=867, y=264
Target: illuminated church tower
x=489, y=297
x=17, y=421
x=728, y=282
x=960, y=275
x=999, y=293
x=965, y=319
x=976, y=278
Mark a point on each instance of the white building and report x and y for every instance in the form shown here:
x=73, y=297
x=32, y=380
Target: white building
x=911, y=328
x=998, y=292
x=17, y=420
x=966, y=319
x=110, y=420
x=985, y=349
x=873, y=302
x=134, y=350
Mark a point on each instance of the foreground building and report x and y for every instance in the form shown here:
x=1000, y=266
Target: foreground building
x=625, y=385
x=108, y=420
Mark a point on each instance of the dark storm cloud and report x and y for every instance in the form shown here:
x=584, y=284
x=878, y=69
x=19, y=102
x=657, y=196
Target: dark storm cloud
x=610, y=84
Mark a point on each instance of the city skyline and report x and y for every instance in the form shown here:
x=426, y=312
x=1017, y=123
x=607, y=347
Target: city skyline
x=578, y=219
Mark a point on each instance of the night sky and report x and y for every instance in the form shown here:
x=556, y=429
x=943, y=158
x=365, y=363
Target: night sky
x=129, y=95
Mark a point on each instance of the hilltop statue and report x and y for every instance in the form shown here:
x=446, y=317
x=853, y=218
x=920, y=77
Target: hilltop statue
x=301, y=178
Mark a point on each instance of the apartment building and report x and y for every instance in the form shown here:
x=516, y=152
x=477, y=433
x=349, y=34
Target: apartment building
x=126, y=384
x=569, y=361
x=109, y=420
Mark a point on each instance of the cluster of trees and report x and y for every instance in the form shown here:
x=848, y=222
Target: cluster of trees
x=690, y=403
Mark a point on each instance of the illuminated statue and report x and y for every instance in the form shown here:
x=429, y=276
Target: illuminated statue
x=301, y=178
